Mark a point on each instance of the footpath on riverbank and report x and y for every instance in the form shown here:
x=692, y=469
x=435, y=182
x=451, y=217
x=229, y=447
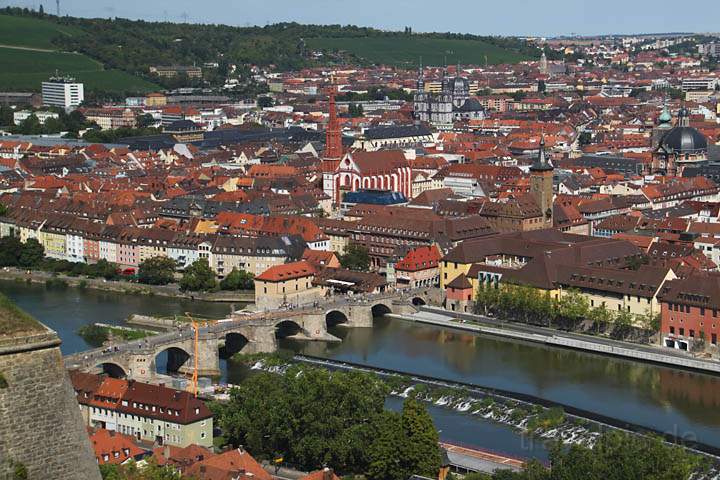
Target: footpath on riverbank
x=125, y=287
x=485, y=325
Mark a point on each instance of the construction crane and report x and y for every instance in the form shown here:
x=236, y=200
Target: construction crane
x=196, y=341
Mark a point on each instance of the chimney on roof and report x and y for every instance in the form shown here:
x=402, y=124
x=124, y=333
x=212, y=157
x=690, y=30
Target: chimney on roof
x=327, y=473
x=166, y=452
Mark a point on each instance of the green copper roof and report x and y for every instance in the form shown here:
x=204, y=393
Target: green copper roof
x=665, y=116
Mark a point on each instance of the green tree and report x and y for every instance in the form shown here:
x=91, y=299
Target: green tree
x=311, y=419
x=198, y=277
x=10, y=248
x=133, y=471
x=31, y=254
x=29, y=126
x=355, y=258
x=238, y=280
x=6, y=116
x=422, y=452
x=265, y=102
x=103, y=268
x=157, y=270
x=386, y=452
x=572, y=308
x=601, y=317
x=145, y=121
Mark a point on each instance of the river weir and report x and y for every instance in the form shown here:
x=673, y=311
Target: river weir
x=680, y=403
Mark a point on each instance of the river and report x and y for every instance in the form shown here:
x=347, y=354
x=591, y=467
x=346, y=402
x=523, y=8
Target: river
x=678, y=402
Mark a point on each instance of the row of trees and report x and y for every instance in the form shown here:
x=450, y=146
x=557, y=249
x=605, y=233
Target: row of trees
x=14, y=253
x=616, y=456
x=152, y=271
x=314, y=417
x=198, y=276
x=530, y=305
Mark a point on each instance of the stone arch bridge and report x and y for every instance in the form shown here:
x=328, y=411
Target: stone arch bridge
x=247, y=333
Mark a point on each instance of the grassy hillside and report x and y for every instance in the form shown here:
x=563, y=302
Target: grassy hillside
x=26, y=69
x=134, y=46
x=405, y=51
x=32, y=32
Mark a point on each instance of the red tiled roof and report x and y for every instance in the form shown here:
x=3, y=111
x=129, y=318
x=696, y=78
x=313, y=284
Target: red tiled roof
x=230, y=465
x=287, y=271
x=420, y=258
x=114, y=448
x=324, y=474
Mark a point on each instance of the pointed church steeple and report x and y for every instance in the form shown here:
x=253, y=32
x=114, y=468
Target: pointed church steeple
x=541, y=164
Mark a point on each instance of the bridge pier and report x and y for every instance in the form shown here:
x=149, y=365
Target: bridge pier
x=208, y=358
x=261, y=340
x=359, y=316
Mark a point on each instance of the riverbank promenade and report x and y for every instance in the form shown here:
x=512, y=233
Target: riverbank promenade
x=489, y=326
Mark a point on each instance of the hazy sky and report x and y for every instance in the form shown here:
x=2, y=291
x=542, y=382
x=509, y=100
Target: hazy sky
x=492, y=17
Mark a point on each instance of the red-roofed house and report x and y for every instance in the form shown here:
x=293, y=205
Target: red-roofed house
x=113, y=448
x=321, y=258
x=231, y=465
x=419, y=268
x=286, y=284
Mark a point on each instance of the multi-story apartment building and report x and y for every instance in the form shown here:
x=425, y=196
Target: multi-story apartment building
x=149, y=413
x=111, y=118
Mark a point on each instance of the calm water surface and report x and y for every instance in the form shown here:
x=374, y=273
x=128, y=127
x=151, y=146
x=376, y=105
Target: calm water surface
x=679, y=402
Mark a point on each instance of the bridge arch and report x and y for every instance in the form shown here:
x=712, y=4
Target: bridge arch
x=287, y=328
x=380, y=309
x=171, y=359
x=418, y=301
x=112, y=369
x=334, y=318
x=234, y=343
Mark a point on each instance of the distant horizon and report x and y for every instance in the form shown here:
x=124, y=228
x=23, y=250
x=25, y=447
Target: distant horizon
x=551, y=19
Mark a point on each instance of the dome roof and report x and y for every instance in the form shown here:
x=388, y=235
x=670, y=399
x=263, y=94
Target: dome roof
x=684, y=140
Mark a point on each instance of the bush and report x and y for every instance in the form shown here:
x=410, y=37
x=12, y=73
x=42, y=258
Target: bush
x=56, y=283
x=93, y=335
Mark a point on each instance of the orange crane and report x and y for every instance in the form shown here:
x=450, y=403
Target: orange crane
x=196, y=329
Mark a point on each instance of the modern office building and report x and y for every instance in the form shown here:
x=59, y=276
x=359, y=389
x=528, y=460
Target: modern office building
x=63, y=92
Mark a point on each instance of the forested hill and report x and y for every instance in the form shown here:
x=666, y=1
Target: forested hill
x=132, y=46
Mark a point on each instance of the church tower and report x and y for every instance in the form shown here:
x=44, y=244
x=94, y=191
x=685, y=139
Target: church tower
x=541, y=184
x=543, y=63
x=333, y=138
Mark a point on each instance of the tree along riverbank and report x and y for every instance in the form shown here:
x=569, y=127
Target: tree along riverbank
x=548, y=336
x=581, y=436
x=124, y=287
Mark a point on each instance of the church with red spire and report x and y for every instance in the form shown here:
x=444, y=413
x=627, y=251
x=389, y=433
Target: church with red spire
x=386, y=170
x=333, y=138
